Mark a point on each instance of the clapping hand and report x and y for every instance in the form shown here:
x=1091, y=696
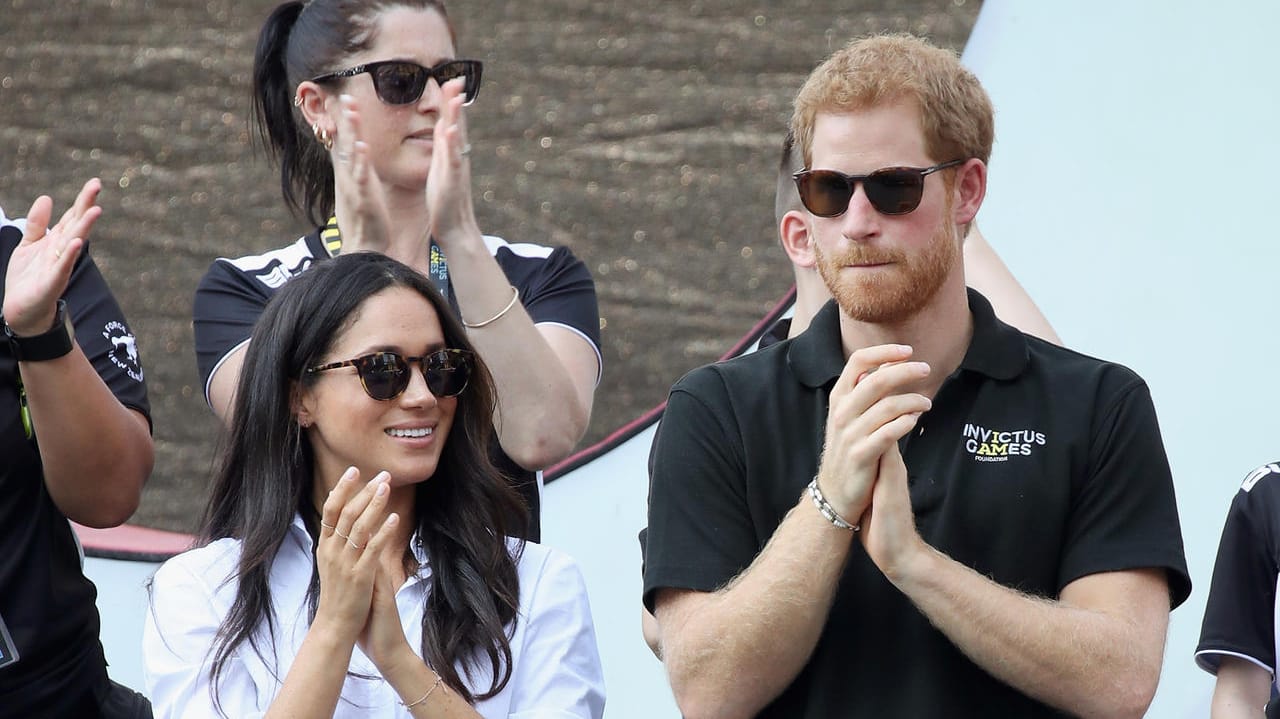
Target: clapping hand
x=449, y=201
x=888, y=526
x=355, y=527
x=355, y=177
x=871, y=408
x=40, y=266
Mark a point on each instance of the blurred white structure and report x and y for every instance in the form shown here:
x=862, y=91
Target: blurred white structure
x=1132, y=192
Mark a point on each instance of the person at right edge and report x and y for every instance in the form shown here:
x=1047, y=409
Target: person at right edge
x=912, y=509
x=1238, y=636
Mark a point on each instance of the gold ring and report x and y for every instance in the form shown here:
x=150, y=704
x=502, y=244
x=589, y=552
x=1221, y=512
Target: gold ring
x=354, y=545
x=57, y=254
x=466, y=149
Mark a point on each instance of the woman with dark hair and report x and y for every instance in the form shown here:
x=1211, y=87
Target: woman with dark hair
x=355, y=556
x=367, y=98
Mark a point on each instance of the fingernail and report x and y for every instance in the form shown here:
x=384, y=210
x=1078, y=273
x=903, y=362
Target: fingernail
x=904, y=348
x=392, y=519
x=382, y=489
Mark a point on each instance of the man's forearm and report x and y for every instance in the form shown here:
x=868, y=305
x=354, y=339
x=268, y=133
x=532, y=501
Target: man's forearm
x=1095, y=652
x=97, y=453
x=731, y=652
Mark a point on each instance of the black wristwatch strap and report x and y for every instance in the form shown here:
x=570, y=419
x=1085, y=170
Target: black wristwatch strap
x=49, y=345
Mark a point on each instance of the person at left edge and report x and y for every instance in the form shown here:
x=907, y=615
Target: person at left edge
x=530, y=309
x=75, y=436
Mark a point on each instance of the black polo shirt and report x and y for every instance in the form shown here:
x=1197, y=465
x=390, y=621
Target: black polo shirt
x=1036, y=466
x=1240, y=614
x=49, y=648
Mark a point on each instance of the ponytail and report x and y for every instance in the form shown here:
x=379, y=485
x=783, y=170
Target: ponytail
x=304, y=165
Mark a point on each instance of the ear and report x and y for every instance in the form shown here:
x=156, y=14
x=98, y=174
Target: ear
x=313, y=101
x=969, y=190
x=793, y=231
x=300, y=404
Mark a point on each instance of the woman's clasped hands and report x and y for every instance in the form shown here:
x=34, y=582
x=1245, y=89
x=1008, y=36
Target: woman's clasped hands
x=358, y=556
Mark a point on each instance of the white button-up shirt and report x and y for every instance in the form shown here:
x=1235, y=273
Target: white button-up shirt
x=556, y=669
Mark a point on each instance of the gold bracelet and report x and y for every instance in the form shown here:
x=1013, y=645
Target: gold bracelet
x=424, y=696
x=515, y=296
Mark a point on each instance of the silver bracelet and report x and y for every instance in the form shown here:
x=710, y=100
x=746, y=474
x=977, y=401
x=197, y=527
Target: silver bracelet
x=827, y=510
x=411, y=705
x=515, y=297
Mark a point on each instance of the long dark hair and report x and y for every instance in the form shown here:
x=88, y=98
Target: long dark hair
x=465, y=512
x=300, y=41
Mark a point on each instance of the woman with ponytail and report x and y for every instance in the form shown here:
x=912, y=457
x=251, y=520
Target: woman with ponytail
x=355, y=558
x=365, y=99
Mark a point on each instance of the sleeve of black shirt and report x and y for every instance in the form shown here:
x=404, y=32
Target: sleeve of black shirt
x=227, y=306
x=1239, y=615
x=104, y=335
x=558, y=289
x=1125, y=514
x=700, y=533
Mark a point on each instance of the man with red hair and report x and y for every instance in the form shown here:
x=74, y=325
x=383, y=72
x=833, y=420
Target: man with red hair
x=913, y=508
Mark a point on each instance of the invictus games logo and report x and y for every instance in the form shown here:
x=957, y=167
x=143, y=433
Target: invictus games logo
x=124, y=349
x=996, y=445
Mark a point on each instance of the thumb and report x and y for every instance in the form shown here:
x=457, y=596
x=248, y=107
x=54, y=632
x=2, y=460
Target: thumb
x=38, y=219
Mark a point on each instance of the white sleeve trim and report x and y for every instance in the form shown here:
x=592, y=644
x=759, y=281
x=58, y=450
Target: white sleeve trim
x=1203, y=662
x=18, y=222
x=520, y=249
x=217, y=367
x=583, y=335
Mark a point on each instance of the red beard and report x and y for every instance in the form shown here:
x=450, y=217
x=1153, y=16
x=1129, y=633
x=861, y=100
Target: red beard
x=894, y=293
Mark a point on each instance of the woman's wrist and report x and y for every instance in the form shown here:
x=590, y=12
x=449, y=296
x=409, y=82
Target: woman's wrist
x=464, y=236
x=408, y=674
x=334, y=631
x=399, y=661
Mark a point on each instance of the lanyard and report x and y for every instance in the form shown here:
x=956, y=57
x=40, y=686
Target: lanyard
x=439, y=271
x=438, y=266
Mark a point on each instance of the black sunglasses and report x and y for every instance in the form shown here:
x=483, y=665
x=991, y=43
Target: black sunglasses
x=400, y=82
x=385, y=375
x=891, y=190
